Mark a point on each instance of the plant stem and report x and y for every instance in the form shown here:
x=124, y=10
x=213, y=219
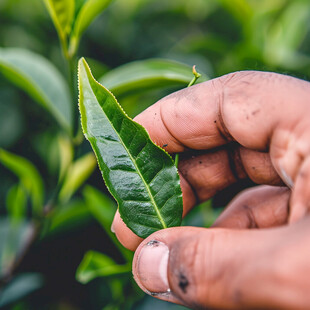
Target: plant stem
x=176, y=160
x=195, y=78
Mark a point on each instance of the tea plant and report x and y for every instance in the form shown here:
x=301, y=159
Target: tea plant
x=35, y=209
x=51, y=191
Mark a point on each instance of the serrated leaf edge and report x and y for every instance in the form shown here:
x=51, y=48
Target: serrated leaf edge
x=139, y=125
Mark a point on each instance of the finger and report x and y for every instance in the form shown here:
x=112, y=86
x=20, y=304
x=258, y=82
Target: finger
x=263, y=112
x=211, y=171
x=227, y=269
x=242, y=106
x=212, y=113
x=300, y=201
x=124, y=235
x=259, y=207
x=202, y=176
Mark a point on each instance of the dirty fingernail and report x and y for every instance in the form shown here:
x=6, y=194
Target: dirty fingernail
x=152, y=267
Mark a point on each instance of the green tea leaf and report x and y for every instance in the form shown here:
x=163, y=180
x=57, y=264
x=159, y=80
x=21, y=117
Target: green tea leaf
x=40, y=79
x=147, y=74
x=95, y=264
x=69, y=216
x=139, y=174
x=28, y=175
x=76, y=175
x=16, y=202
x=62, y=13
x=66, y=153
x=103, y=209
x=89, y=11
x=101, y=206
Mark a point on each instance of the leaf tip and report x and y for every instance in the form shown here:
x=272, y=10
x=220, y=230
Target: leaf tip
x=82, y=64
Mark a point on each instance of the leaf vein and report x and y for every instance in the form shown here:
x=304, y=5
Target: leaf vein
x=156, y=207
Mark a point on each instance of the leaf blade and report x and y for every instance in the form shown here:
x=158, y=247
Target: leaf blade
x=142, y=75
x=40, y=79
x=77, y=174
x=88, y=12
x=95, y=264
x=29, y=176
x=62, y=13
x=140, y=175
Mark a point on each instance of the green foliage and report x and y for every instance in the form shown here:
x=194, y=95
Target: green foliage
x=140, y=175
x=16, y=202
x=140, y=76
x=77, y=174
x=103, y=209
x=29, y=177
x=19, y=287
x=13, y=237
x=101, y=206
x=87, y=13
x=64, y=217
x=40, y=79
x=62, y=13
x=96, y=264
x=141, y=51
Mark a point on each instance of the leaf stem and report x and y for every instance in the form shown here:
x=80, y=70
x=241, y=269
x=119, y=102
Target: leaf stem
x=64, y=46
x=176, y=160
x=195, y=78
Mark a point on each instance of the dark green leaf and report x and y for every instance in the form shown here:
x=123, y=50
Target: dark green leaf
x=147, y=74
x=139, y=174
x=96, y=264
x=101, y=206
x=69, y=216
x=103, y=210
x=40, y=79
x=28, y=175
x=16, y=202
x=77, y=174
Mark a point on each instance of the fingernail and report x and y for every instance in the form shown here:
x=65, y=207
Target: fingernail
x=152, y=267
x=112, y=228
x=286, y=178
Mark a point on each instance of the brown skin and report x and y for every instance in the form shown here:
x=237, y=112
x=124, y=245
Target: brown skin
x=248, y=124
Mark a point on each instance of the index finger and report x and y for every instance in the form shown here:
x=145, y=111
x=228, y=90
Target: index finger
x=246, y=107
x=266, y=113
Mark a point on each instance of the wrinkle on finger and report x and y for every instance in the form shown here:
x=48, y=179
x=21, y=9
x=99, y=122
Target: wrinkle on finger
x=258, y=207
x=186, y=119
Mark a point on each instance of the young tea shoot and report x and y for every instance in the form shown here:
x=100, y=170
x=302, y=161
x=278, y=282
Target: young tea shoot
x=140, y=175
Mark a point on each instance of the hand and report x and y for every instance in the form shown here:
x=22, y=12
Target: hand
x=249, y=124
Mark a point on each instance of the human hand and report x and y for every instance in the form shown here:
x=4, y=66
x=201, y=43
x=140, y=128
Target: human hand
x=251, y=124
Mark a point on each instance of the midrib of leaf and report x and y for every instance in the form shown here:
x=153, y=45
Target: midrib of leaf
x=132, y=159
x=140, y=174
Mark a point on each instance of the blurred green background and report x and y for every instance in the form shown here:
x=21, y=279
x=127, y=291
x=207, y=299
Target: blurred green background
x=56, y=247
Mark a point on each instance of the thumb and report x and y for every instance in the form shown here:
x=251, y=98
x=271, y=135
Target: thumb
x=210, y=268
